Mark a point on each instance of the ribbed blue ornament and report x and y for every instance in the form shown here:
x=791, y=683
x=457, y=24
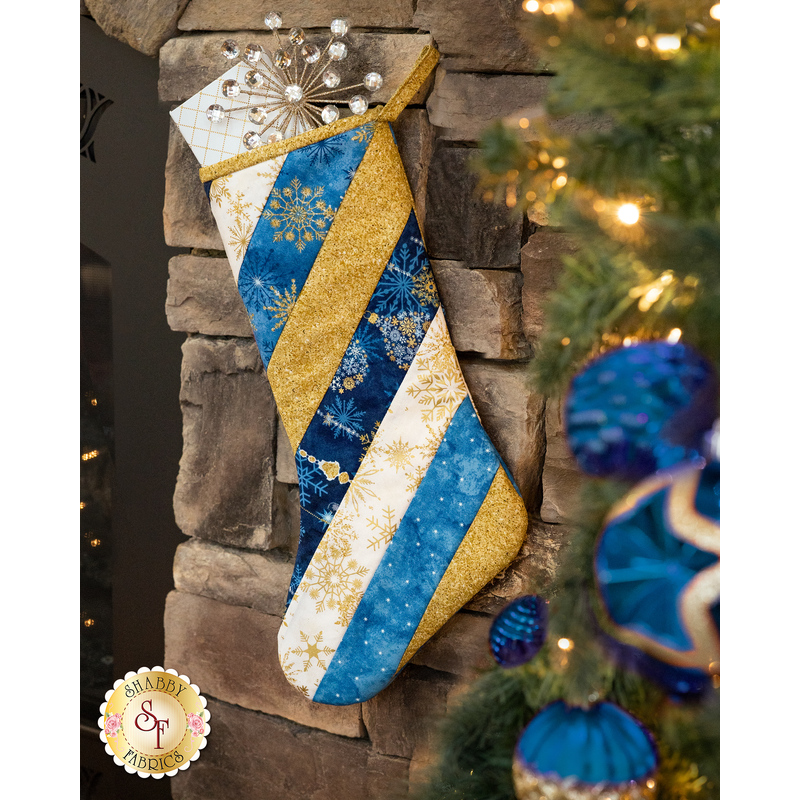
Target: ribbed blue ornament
x=600, y=745
x=637, y=409
x=518, y=631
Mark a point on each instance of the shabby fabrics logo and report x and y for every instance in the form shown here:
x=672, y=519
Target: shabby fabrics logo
x=154, y=722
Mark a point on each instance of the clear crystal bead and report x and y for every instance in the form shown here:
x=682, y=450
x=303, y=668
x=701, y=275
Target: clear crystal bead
x=252, y=53
x=273, y=20
x=297, y=36
x=215, y=113
x=230, y=49
x=274, y=136
x=282, y=59
x=257, y=115
x=337, y=51
x=251, y=139
x=373, y=81
x=293, y=93
x=339, y=26
x=358, y=104
x=253, y=78
x=231, y=88
x=330, y=114
x=331, y=78
x=310, y=53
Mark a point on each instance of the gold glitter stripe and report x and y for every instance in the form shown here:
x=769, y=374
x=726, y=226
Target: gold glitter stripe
x=427, y=60
x=353, y=256
x=489, y=546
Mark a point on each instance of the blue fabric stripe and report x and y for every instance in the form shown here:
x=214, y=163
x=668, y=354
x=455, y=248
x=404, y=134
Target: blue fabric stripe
x=383, y=346
x=443, y=508
x=292, y=227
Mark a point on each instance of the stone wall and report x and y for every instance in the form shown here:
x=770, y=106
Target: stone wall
x=236, y=495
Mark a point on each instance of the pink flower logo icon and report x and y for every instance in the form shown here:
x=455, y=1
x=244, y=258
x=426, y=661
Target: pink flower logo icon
x=196, y=725
x=113, y=724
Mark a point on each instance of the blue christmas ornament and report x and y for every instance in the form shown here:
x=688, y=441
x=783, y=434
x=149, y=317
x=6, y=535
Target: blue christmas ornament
x=637, y=409
x=657, y=569
x=572, y=753
x=518, y=631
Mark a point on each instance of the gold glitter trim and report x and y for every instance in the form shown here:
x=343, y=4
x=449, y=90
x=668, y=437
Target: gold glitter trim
x=489, y=546
x=423, y=66
x=528, y=786
x=353, y=256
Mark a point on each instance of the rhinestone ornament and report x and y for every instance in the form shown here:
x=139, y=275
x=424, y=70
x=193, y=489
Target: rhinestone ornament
x=293, y=93
x=282, y=59
x=331, y=78
x=231, y=88
x=230, y=49
x=330, y=114
x=358, y=104
x=253, y=53
x=297, y=36
x=338, y=51
x=373, y=81
x=251, y=140
x=258, y=115
x=273, y=20
x=274, y=136
x=339, y=27
x=310, y=53
x=254, y=79
x=215, y=113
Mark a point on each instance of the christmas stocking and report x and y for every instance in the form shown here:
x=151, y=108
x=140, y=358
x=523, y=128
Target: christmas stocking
x=406, y=508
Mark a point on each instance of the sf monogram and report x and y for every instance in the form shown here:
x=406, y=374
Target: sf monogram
x=158, y=725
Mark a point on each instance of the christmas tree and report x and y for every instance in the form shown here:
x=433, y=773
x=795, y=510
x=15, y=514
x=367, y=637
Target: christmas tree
x=640, y=195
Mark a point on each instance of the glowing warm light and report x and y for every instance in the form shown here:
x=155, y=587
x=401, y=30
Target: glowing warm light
x=599, y=205
x=560, y=181
x=674, y=336
x=95, y=543
x=667, y=42
x=530, y=196
x=642, y=41
x=651, y=784
x=548, y=8
x=523, y=123
x=565, y=341
x=89, y=455
x=94, y=401
x=629, y=340
x=714, y=11
x=511, y=196
x=88, y=623
x=544, y=157
x=554, y=41
x=559, y=162
x=533, y=164
x=565, y=644
x=83, y=505
x=649, y=298
x=628, y=213
x=531, y=6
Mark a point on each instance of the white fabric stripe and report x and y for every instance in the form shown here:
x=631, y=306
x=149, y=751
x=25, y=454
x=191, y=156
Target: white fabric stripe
x=236, y=203
x=370, y=513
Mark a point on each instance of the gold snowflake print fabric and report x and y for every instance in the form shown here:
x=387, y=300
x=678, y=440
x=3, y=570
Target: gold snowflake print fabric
x=298, y=215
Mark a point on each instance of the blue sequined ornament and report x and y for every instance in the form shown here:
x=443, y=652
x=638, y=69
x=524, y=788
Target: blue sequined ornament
x=572, y=753
x=637, y=409
x=518, y=631
x=657, y=568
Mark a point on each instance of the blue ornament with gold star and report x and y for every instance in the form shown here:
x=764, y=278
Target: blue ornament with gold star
x=657, y=568
x=574, y=753
x=637, y=409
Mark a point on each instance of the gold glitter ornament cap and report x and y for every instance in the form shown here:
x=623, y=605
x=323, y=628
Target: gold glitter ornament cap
x=423, y=67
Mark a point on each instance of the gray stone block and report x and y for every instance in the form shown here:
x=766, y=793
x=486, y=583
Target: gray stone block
x=253, y=756
x=202, y=298
x=459, y=647
x=513, y=416
x=415, y=140
x=188, y=221
x=212, y=15
x=285, y=464
x=231, y=652
x=234, y=576
x=459, y=224
x=562, y=481
x=143, y=26
x=224, y=487
x=478, y=35
x=189, y=63
x=483, y=309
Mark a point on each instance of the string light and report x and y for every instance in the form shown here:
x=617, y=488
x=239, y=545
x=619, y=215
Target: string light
x=667, y=42
x=559, y=162
x=628, y=213
x=565, y=644
x=714, y=11
x=651, y=784
x=642, y=42
x=531, y=6
x=88, y=622
x=674, y=336
x=565, y=341
x=95, y=543
x=83, y=505
x=523, y=123
x=560, y=181
x=91, y=454
x=94, y=401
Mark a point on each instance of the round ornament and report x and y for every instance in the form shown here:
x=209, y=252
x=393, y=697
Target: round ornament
x=641, y=408
x=573, y=753
x=657, y=567
x=518, y=631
